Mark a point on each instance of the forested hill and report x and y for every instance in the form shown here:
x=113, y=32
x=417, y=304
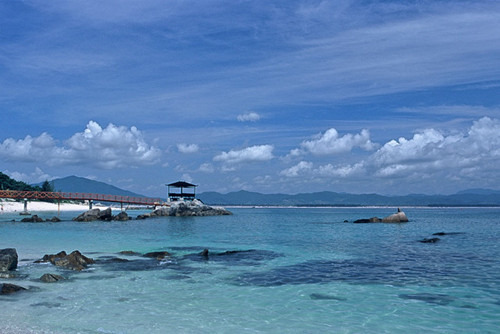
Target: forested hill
x=7, y=183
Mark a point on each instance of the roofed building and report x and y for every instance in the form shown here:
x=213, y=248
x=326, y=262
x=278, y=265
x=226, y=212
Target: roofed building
x=181, y=191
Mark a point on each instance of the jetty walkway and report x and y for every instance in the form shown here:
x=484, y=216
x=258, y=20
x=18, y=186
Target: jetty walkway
x=60, y=196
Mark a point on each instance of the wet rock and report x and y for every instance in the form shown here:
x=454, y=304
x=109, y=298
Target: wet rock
x=157, y=255
x=369, y=220
x=54, y=219
x=51, y=278
x=447, y=233
x=122, y=216
x=95, y=214
x=128, y=252
x=7, y=288
x=321, y=296
x=52, y=257
x=74, y=261
x=32, y=219
x=8, y=259
x=429, y=240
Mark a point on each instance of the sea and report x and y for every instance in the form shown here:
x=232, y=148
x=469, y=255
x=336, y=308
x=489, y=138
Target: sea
x=268, y=270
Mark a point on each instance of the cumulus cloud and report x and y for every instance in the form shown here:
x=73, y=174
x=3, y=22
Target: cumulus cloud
x=111, y=147
x=187, y=148
x=331, y=142
x=249, y=154
x=36, y=177
x=426, y=159
x=249, y=117
x=296, y=170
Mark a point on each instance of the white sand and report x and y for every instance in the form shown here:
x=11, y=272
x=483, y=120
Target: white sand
x=7, y=205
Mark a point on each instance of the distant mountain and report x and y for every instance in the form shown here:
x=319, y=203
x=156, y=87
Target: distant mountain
x=77, y=184
x=479, y=191
x=325, y=198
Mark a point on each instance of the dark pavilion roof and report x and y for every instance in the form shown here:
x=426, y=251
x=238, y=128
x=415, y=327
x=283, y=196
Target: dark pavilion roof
x=181, y=184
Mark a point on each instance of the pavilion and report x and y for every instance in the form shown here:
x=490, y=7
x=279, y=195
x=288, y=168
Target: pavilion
x=176, y=191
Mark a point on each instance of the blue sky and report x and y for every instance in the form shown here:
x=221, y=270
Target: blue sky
x=392, y=97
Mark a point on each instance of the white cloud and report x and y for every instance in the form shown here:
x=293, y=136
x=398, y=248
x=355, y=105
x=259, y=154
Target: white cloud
x=111, y=147
x=36, y=177
x=187, y=148
x=296, y=170
x=249, y=154
x=206, y=168
x=249, y=117
x=331, y=143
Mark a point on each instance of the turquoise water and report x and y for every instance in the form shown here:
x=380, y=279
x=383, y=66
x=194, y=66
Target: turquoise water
x=299, y=270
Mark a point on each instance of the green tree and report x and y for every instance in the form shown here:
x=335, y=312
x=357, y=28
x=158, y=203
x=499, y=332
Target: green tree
x=47, y=186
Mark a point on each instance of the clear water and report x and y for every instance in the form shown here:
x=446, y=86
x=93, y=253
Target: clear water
x=302, y=270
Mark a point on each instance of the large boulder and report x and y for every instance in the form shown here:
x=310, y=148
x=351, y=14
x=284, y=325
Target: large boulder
x=95, y=214
x=8, y=259
x=398, y=217
x=52, y=257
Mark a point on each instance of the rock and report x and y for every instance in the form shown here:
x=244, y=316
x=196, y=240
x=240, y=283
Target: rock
x=106, y=214
x=88, y=216
x=157, y=255
x=52, y=257
x=32, y=219
x=8, y=259
x=54, y=219
x=122, y=216
x=369, y=220
x=95, y=214
x=7, y=288
x=399, y=217
x=128, y=252
x=429, y=240
x=204, y=253
x=74, y=261
x=51, y=278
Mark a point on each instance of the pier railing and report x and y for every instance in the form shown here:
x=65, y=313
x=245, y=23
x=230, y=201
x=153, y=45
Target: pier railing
x=47, y=195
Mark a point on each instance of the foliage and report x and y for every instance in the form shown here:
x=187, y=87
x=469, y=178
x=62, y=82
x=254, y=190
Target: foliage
x=7, y=183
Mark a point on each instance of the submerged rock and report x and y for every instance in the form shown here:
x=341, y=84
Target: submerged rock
x=8, y=259
x=7, y=288
x=429, y=240
x=157, y=255
x=51, y=278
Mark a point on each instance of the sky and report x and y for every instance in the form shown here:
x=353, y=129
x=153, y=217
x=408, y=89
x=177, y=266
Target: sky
x=389, y=97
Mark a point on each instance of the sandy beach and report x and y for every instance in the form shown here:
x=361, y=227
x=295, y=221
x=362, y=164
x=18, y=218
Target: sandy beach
x=7, y=206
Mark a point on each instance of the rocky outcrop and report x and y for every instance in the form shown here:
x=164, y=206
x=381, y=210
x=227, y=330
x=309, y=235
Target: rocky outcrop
x=32, y=219
x=398, y=217
x=187, y=209
x=8, y=259
x=74, y=261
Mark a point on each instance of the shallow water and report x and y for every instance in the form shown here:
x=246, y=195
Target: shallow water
x=293, y=270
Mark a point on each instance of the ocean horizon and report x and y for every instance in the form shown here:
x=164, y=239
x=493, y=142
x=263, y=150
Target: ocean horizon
x=268, y=270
